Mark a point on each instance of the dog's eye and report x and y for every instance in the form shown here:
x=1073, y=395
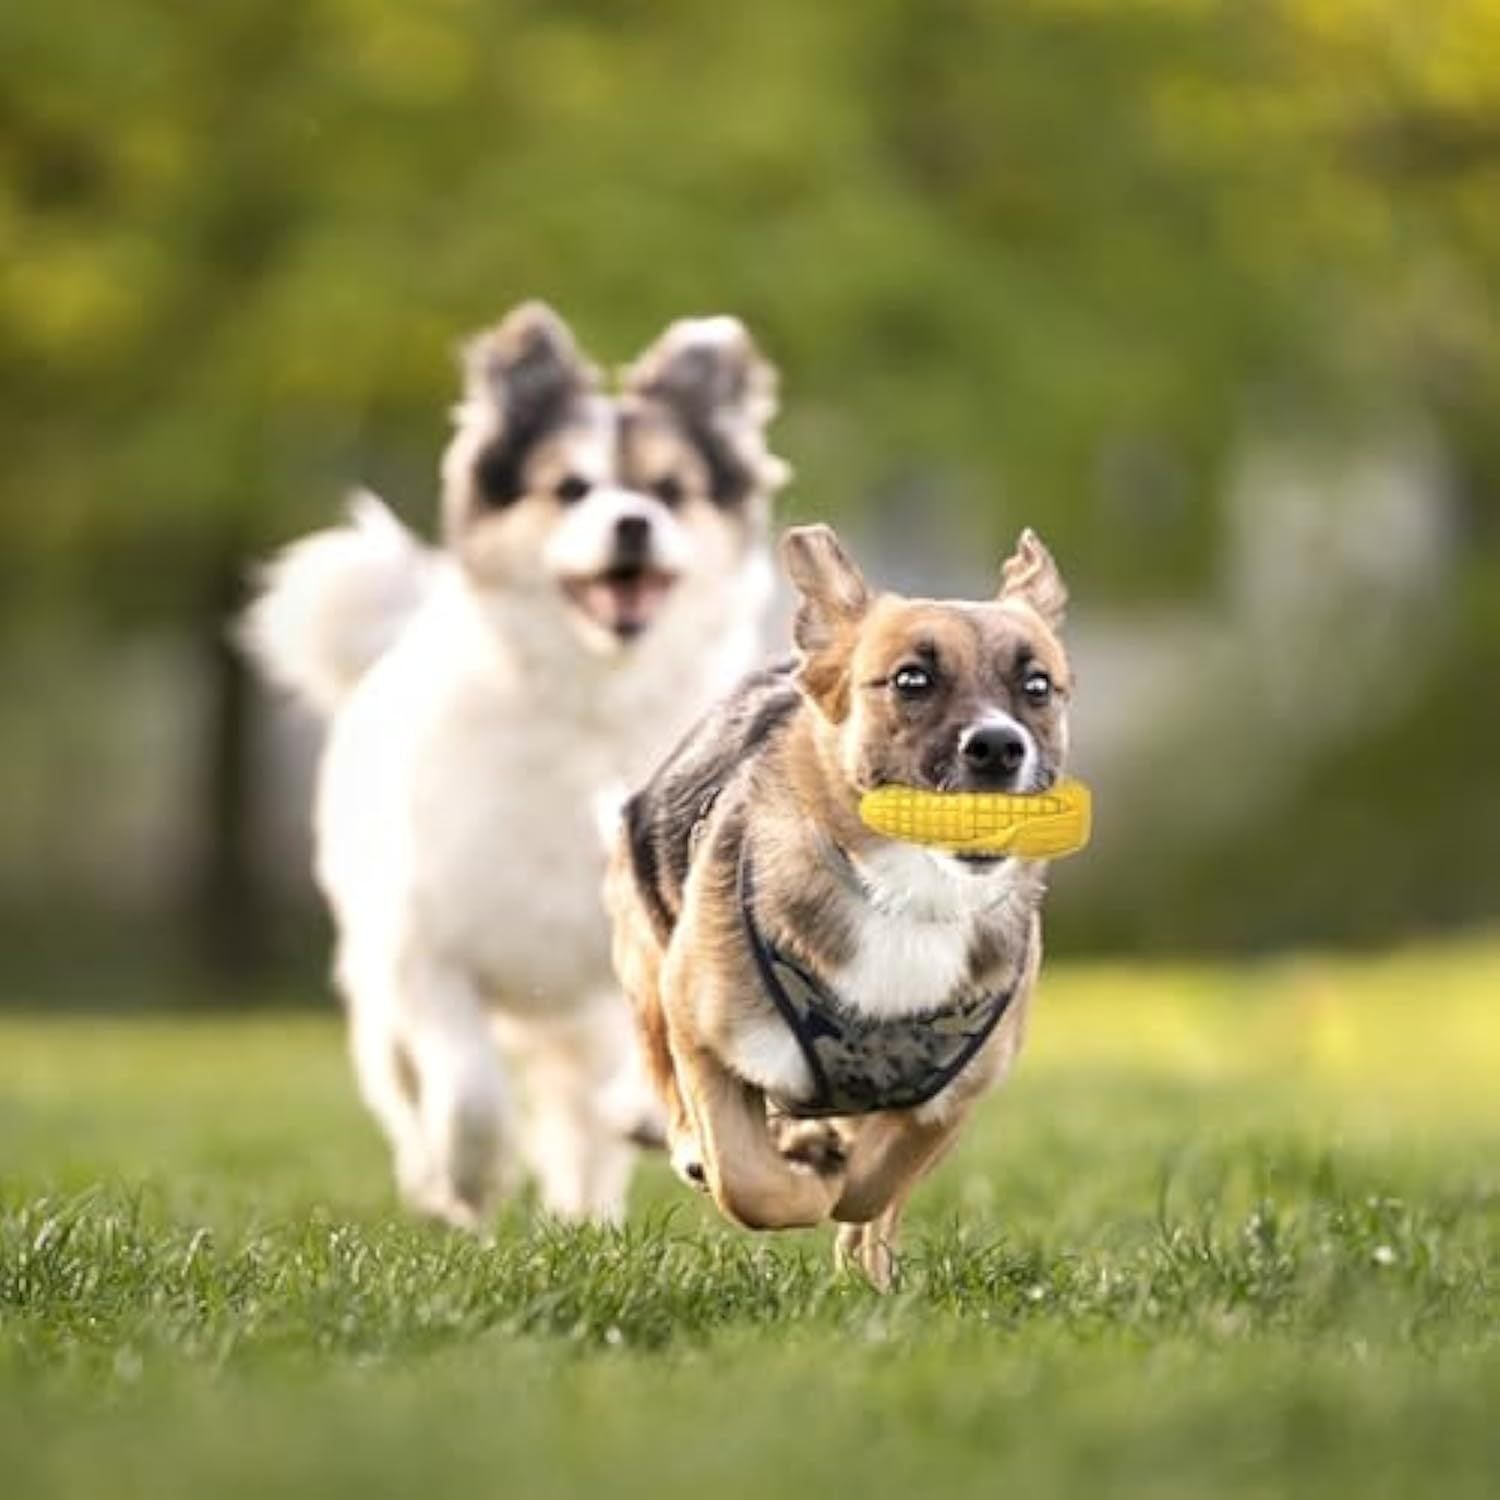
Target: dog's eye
x=1037, y=687
x=572, y=487
x=668, y=489
x=911, y=682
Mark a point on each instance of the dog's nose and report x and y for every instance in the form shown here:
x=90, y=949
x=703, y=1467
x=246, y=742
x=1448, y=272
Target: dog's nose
x=632, y=537
x=993, y=751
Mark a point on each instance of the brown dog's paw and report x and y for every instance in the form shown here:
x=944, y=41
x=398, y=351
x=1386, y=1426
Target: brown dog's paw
x=687, y=1163
x=812, y=1144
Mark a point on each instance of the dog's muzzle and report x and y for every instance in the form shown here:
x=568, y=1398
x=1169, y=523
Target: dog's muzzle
x=627, y=594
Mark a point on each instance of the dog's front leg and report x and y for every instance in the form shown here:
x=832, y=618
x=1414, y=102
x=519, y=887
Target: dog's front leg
x=888, y=1155
x=749, y=1178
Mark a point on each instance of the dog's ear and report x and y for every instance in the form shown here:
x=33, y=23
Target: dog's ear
x=528, y=366
x=833, y=601
x=1030, y=575
x=709, y=366
x=723, y=391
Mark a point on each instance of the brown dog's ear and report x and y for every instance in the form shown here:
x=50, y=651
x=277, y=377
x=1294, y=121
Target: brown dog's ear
x=528, y=365
x=834, y=599
x=723, y=391
x=1030, y=575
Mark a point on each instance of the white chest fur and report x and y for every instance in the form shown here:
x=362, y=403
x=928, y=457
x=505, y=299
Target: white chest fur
x=914, y=944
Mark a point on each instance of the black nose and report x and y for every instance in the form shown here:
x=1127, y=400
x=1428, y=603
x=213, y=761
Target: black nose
x=632, y=538
x=993, y=751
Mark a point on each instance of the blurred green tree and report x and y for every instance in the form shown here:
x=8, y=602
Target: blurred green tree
x=1041, y=256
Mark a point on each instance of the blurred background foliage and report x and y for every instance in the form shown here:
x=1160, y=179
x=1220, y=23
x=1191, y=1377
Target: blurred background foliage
x=1165, y=277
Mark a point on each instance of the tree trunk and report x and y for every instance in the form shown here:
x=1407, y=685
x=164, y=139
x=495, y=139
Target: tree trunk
x=226, y=902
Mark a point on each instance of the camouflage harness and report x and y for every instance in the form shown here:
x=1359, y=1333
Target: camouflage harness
x=859, y=1063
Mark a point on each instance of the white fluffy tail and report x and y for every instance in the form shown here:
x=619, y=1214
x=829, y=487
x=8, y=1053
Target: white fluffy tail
x=333, y=602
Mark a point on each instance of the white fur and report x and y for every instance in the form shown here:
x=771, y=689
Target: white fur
x=580, y=544
x=458, y=844
x=764, y=1051
x=924, y=908
x=335, y=601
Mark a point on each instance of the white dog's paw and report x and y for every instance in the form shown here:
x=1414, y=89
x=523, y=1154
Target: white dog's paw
x=433, y=1202
x=428, y=1196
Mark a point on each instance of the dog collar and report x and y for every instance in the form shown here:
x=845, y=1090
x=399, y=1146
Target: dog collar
x=861, y=1064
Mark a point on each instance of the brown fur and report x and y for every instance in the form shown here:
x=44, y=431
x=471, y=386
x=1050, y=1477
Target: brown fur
x=782, y=774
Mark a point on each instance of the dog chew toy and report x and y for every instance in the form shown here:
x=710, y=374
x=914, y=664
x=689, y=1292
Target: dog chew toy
x=1033, y=825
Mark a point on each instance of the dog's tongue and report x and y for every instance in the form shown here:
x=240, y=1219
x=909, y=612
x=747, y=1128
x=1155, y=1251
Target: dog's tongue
x=625, y=603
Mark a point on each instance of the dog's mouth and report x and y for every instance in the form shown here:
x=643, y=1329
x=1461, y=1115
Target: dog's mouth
x=979, y=863
x=624, y=599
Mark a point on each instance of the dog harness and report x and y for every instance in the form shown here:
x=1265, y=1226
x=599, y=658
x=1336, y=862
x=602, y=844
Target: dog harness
x=859, y=1063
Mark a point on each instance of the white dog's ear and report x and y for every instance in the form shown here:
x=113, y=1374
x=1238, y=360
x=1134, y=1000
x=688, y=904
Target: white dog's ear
x=723, y=391
x=528, y=366
x=834, y=599
x=1030, y=575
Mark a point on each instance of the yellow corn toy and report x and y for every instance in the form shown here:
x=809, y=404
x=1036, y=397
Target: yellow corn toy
x=1033, y=825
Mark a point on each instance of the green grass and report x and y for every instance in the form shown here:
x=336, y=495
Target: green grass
x=1231, y=1231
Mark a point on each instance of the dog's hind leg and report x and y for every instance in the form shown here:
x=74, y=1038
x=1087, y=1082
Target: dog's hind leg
x=653, y=1058
x=637, y=955
x=889, y=1155
x=461, y=1099
x=870, y=1249
x=576, y=1121
x=386, y=1072
x=388, y=1084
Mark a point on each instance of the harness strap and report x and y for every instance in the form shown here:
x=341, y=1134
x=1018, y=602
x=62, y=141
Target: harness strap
x=766, y=960
x=861, y=1064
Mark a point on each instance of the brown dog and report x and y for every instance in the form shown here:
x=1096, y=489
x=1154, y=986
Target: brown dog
x=822, y=1006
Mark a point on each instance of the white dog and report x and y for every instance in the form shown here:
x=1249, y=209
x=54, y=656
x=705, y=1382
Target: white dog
x=605, y=574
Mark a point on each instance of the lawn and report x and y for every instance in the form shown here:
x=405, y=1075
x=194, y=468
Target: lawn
x=1232, y=1230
